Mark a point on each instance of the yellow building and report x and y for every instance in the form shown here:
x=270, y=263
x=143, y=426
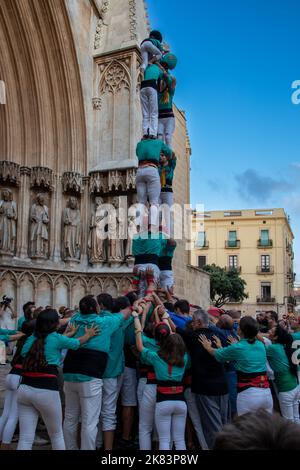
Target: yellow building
x=257, y=242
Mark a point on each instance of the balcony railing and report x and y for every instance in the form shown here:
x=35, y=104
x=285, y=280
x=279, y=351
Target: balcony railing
x=264, y=243
x=204, y=246
x=232, y=244
x=265, y=270
x=232, y=268
x=265, y=300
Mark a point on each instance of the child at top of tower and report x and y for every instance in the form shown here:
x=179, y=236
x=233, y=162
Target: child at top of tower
x=151, y=49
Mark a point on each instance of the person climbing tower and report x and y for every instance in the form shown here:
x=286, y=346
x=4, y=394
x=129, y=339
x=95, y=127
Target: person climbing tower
x=166, y=119
x=151, y=49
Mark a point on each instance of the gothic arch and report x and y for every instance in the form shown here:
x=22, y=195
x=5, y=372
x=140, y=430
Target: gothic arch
x=43, y=119
x=114, y=76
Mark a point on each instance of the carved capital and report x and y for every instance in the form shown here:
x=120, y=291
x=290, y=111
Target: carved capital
x=72, y=182
x=98, y=182
x=116, y=180
x=41, y=177
x=130, y=178
x=9, y=172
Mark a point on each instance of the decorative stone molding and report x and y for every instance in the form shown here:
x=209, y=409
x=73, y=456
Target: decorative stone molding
x=98, y=182
x=72, y=182
x=115, y=76
x=96, y=103
x=132, y=19
x=116, y=180
x=100, y=22
x=130, y=178
x=41, y=177
x=9, y=172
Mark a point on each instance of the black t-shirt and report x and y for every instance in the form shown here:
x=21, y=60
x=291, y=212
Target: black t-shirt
x=208, y=375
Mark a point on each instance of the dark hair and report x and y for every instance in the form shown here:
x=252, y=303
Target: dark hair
x=172, y=350
x=284, y=338
x=106, y=300
x=259, y=431
x=234, y=314
x=88, y=305
x=26, y=310
x=169, y=306
x=120, y=304
x=182, y=305
x=156, y=35
x=249, y=328
x=161, y=332
x=273, y=315
x=46, y=323
x=28, y=328
x=132, y=296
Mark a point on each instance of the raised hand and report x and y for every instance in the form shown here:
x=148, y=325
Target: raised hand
x=232, y=340
x=92, y=331
x=206, y=343
x=217, y=341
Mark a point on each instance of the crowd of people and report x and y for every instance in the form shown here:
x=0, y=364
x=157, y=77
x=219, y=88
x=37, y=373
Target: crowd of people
x=150, y=372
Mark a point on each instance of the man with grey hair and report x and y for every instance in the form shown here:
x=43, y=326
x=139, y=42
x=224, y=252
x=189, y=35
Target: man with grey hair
x=209, y=382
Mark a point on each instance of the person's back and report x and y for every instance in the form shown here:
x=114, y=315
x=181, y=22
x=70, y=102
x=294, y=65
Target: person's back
x=150, y=149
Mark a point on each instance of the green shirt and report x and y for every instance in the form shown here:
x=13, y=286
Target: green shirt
x=165, y=98
x=20, y=322
x=116, y=361
x=162, y=370
x=153, y=72
x=284, y=379
x=248, y=357
x=54, y=344
x=5, y=334
x=148, y=244
x=150, y=150
x=166, y=173
x=107, y=324
x=296, y=337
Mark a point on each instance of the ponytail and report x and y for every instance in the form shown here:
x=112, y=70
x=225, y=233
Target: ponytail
x=286, y=340
x=46, y=324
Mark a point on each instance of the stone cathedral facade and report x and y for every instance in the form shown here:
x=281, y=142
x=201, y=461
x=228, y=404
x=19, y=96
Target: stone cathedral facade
x=68, y=133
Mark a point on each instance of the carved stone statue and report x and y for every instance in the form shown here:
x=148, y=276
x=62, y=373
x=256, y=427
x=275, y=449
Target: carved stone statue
x=39, y=221
x=116, y=251
x=72, y=231
x=97, y=235
x=8, y=217
x=133, y=220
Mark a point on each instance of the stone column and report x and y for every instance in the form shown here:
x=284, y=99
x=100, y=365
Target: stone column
x=85, y=220
x=23, y=213
x=56, y=216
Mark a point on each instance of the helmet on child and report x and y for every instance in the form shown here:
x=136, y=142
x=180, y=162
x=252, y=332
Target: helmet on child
x=156, y=35
x=170, y=60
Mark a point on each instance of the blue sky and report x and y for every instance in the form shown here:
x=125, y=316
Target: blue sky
x=237, y=62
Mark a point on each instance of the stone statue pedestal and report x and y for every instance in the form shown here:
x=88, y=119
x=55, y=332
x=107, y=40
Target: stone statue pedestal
x=115, y=263
x=130, y=261
x=72, y=262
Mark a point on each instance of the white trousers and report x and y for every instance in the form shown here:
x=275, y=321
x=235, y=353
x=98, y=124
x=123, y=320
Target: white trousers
x=254, y=398
x=147, y=186
x=83, y=400
x=143, y=281
x=166, y=279
x=148, y=51
x=193, y=413
x=166, y=128
x=31, y=402
x=140, y=389
x=289, y=404
x=110, y=393
x=149, y=104
x=170, y=419
x=128, y=387
x=9, y=418
x=146, y=418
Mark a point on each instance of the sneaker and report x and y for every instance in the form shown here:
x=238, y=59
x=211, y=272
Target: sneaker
x=39, y=441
